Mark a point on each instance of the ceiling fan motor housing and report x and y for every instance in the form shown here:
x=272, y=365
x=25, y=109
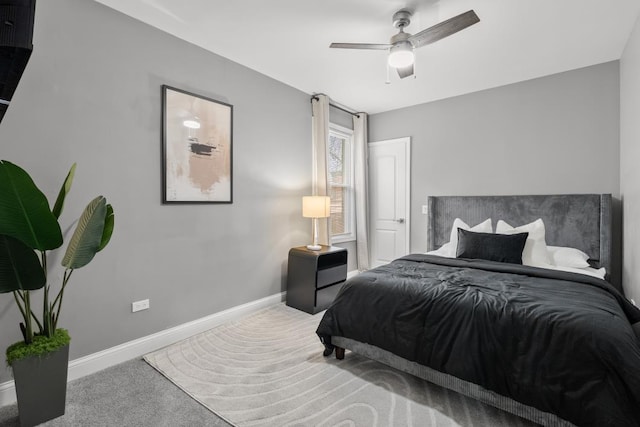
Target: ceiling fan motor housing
x=400, y=37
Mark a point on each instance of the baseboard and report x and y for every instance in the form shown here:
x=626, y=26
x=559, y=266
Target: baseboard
x=95, y=362
x=7, y=393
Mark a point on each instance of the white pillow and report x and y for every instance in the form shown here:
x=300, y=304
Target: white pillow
x=568, y=257
x=589, y=271
x=535, y=249
x=445, y=250
x=450, y=249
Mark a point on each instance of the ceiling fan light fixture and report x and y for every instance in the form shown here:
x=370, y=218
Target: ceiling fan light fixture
x=401, y=55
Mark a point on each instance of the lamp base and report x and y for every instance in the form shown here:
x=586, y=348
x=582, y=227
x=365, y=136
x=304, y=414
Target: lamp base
x=314, y=247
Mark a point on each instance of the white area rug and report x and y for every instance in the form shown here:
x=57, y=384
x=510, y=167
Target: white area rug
x=267, y=369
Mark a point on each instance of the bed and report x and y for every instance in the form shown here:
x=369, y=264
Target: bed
x=554, y=347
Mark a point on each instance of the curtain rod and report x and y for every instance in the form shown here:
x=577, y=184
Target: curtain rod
x=337, y=107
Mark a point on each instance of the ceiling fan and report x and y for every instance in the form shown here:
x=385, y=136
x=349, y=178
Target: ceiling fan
x=401, y=45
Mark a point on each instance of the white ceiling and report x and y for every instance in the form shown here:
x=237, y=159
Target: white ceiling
x=288, y=40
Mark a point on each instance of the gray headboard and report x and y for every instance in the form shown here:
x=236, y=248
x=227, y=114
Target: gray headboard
x=581, y=221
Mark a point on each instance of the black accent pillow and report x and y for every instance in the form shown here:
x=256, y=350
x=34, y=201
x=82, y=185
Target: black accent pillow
x=491, y=247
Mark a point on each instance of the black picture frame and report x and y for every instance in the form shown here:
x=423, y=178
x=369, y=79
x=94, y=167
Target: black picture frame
x=197, y=148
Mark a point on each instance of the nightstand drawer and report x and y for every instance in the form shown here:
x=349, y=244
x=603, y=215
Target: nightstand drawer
x=329, y=276
x=324, y=297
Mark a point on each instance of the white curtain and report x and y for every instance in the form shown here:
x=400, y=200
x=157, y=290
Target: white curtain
x=320, y=137
x=361, y=187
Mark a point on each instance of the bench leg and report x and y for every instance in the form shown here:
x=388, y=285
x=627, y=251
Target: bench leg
x=339, y=353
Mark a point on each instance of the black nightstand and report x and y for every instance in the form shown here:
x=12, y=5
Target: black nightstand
x=315, y=277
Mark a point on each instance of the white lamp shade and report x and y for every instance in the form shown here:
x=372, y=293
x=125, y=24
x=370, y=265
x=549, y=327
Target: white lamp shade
x=401, y=55
x=316, y=206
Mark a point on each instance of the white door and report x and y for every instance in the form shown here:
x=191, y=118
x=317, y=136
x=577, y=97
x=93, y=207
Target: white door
x=389, y=198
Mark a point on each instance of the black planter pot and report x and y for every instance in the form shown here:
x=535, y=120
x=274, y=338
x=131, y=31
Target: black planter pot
x=41, y=386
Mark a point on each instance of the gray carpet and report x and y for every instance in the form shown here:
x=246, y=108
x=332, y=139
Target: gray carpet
x=130, y=394
x=267, y=370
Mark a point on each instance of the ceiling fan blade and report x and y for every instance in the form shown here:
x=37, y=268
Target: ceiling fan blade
x=405, y=71
x=444, y=29
x=360, y=46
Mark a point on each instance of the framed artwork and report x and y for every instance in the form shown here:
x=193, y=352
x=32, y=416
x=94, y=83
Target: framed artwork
x=197, y=144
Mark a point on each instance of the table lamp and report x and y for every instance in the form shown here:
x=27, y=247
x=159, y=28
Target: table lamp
x=316, y=207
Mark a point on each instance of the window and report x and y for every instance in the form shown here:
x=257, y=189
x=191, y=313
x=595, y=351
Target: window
x=340, y=166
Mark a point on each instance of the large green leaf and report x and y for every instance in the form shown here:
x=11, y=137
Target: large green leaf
x=64, y=190
x=87, y=237
x=108, y=228
x=24, y=210
x=20, y=267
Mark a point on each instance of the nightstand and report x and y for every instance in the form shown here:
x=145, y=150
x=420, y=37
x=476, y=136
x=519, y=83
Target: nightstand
x=315, y=277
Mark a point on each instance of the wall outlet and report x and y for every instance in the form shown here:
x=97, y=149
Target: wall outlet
x=140, y=305
x=425, y=209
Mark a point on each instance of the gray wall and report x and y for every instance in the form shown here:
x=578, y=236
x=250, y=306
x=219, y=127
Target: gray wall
x=91, y=94
x=340, y=118
x=629, y=160
x=557, y=134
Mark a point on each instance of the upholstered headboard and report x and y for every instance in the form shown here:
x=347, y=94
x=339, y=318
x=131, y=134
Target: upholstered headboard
x=581, y=221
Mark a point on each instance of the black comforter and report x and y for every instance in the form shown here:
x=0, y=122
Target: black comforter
x=560, y=342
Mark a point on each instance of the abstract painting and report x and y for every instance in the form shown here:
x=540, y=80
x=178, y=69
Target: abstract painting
x=197, y=142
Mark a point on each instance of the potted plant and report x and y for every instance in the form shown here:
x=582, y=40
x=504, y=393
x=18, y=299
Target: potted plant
x=29, y=228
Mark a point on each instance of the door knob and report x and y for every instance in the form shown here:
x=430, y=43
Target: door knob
x=400, y=220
